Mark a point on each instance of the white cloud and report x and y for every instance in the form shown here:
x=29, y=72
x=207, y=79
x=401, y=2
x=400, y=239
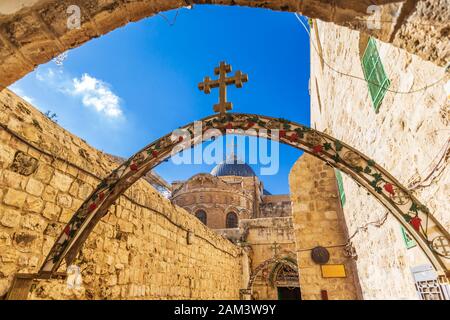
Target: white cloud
x=94, y=93
x=97, y=94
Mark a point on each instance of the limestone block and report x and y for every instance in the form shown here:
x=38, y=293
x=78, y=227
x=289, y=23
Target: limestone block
x=24, y=164
x=49, y=194
x=44, y=173
x=51, y=211
x=35, y=187
x=5, y=239
x=10, y=218
x=14, y=198
x=33, y=204
x=84, y=191
x=7, y=269
x=34, y=222
x=64, y=200
x=66, y=215
x=13, y=180
x=61, y=181
x=125, y=226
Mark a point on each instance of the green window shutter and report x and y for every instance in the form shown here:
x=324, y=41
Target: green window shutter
x=340, y=184
x=409, y=241
x=374, y=74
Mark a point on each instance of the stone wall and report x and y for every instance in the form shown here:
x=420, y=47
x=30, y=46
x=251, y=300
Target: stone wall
x=275, y=206
x=139, y=251
x=407, y=137
x=318, y=221
x=32, y=32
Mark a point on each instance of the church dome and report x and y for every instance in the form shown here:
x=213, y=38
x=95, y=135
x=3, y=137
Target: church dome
x=233, y=167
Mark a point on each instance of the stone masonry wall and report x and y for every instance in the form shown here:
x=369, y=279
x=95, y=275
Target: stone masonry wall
x=138, y=251
x=318, y=221
x=407, y=137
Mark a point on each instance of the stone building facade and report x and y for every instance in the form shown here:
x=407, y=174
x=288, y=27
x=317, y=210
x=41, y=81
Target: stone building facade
x=232, y=201
x=408, y=136
x=231, y=192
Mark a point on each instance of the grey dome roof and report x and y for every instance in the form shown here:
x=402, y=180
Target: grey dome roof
x=233, y=167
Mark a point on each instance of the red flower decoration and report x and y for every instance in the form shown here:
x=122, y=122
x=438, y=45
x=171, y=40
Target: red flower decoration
x=180, y=139
x=229, y=126
x=134, y=167
x=389, y=188
x=92, y=207
x=250, y=124
x=415, y=222
x=282, y=134
x=155, y=153
x=318, y=149
x=293, y=137
x=67, y=230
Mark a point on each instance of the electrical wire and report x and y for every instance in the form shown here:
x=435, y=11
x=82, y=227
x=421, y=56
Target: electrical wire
x=436, y=172
x=171, y=23
x=363, y=79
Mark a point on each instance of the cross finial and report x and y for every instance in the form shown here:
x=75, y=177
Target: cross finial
x=275, y=247
x=238, y=80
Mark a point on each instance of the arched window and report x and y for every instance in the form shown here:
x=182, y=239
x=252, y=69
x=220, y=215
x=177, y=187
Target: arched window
x=232, y=220
x=201, y=215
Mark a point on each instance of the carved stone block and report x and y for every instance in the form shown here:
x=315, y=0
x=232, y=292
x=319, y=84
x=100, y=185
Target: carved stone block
x=24, y=164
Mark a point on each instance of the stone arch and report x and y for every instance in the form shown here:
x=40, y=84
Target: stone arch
x=35, y=31
x=286, y=260
x=278, y=269
x=377, y=181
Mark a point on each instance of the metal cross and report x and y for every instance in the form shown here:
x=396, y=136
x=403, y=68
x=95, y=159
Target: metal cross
x=239, y=78
x=275, y=247
x=442, y=245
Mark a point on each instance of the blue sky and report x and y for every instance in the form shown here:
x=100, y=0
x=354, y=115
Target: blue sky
x=129, y=87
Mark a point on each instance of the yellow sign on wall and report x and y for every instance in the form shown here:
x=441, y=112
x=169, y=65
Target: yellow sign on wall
x=333, y=271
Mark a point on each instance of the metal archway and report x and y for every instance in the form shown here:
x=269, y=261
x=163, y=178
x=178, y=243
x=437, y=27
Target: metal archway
x=414, y=216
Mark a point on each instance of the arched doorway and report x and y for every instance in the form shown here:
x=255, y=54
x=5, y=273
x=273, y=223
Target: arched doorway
x=412, y=214
x=285, y=279
x=281, y=274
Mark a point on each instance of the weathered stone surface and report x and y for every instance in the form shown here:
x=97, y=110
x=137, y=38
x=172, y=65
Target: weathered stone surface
x=64, y=200
x=24, y=164
x=318, y=221
x=126, y=249
x=10, y=218
x=61, y=182
x=35, y=187
x=51, y=211
x=14, y=198
x=406, y=137
x=33, y=204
